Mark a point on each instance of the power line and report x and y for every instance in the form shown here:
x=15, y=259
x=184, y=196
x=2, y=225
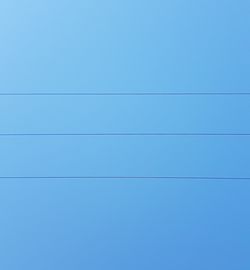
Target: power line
x=121, y=134
x=126, y=177
x=127, y=94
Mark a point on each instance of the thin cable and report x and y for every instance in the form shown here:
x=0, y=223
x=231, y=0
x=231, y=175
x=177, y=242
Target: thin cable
x=127, y=177
x=128, y=94
x=120, y=134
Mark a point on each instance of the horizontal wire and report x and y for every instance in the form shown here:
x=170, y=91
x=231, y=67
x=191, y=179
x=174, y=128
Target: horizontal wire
x=127, y=177
x=126, y=134
x=129, y=94
x=120, y=134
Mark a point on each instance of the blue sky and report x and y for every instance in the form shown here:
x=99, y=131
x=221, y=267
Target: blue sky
x=130, y=46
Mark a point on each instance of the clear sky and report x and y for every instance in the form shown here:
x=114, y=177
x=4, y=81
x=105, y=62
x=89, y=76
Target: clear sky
x=133, y=46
